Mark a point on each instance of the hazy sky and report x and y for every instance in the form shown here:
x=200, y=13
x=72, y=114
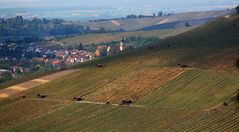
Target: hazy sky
x=92, y=9
x=165, y=3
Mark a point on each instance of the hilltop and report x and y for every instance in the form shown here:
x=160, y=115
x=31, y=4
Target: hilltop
x=166, y=96
x=155, y=23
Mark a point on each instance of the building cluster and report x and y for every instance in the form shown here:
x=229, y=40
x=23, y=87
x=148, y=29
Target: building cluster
x=74, y=56
x=102, y=51
x=24, y=59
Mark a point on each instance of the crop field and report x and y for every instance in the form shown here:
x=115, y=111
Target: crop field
x=195, y=89
x=108, y=37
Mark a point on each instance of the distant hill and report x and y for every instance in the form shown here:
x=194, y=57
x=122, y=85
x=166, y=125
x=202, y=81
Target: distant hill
x=108, y=37
x=166, y=22
x=200, y=97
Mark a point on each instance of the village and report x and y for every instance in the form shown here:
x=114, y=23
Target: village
x=21, y=59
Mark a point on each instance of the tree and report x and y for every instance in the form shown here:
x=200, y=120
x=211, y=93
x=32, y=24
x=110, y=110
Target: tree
x=131, y=16
x=187, y=24
x=160, y=14
x=154, y=15
x=237, y=8
x=81, y=46
x=102, y=30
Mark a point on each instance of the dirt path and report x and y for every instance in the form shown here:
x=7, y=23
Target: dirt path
x=62, y=45
x=7, y=92
x=88, y=102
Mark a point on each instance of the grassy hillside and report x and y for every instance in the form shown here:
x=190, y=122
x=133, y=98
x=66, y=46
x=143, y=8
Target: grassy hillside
x=171, y=98
x=108, y=37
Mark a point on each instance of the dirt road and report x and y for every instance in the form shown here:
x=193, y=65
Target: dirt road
x=89, y=102
x=7, y=92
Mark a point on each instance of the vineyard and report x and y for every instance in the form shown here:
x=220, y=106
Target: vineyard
x=87, y=117
x=134, y=84
x=110, y=84
x=40, y=115
x=224, y=119
x=166, y=97
x=26, y=110
x=195, y=89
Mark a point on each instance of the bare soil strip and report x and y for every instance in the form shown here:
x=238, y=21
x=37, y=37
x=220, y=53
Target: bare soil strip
x=7, y=92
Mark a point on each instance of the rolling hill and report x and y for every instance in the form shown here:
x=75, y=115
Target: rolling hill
x=167, y=98
x=108, y=37
x=178, y=20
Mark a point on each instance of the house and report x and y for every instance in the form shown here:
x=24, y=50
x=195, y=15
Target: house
x=101, y=51
x=5, y=75
x=56, y=62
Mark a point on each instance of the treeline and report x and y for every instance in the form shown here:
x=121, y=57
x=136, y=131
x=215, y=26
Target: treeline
x=237, y=8
x=17, y=26
x=159, y=14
